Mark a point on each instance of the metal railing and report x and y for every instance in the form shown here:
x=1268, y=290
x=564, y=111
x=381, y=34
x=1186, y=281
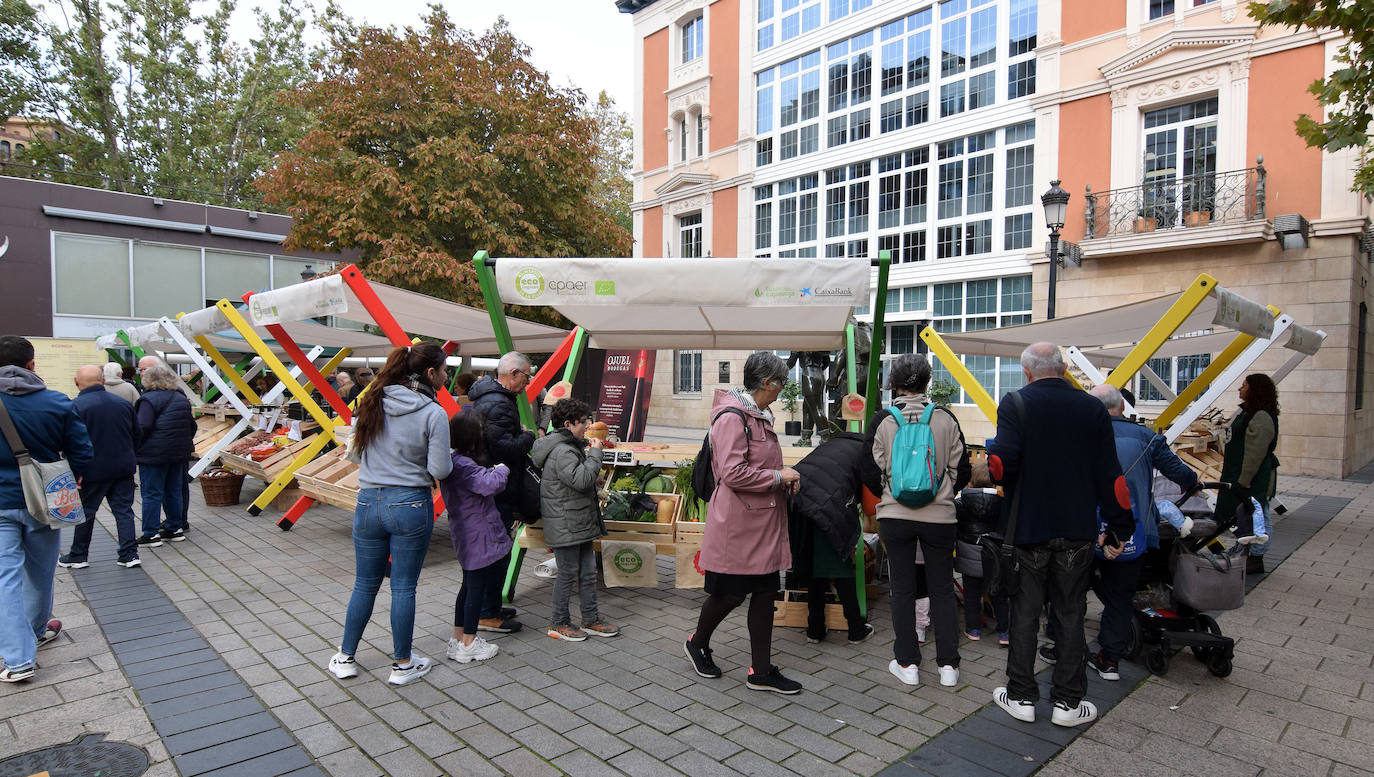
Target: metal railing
x=1181, y=203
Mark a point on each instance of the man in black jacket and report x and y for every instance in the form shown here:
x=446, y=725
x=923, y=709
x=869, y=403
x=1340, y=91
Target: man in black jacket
x=111, y=422
x=509, y=443
x=1056, y=456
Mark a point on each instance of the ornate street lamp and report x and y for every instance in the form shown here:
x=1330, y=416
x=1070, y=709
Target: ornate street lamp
x=1056, y=202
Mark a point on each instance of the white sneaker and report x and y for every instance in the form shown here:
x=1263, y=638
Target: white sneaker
x=949, y=676
x=920, y=636
x=478, y=650
x=1021, y=710
x=547, y=569
x=907, y=674
x=1064, y=715
x=343, y=667
x=419, y=667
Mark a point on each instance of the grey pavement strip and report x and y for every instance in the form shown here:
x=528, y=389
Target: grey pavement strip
x=991, y=743
x=208, y=718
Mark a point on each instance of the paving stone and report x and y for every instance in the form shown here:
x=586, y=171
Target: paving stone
x=653, y=741
x=638, y=764
x=580, y=763
x=218, y=733
x=322, y=739
x=409, y=762
x=486, y=739
x=754, y=765
x=525, y=763
x=234, y=752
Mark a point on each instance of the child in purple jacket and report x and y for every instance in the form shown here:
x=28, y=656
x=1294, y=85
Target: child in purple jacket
x=479, y=538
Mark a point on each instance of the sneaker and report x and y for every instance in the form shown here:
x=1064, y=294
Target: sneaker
x=8, y=675
x=67, y=562
x=813, y=637
x=907, y=674
x=405, y=675
x=1021, y=710
x=1003, y=639
x=130, y=563
x=343, y=667
x=507, y=612
x=920, y=635
x=974, y=634
x=150, y=541
x=174, y=535
x=862, y=636
x=701, y=660
x=772, y=680
x=949, y=676
x=567, y=631
x=600, y=628
x=1064, y=715
x=477, y=650
x=50, y=632
x=500, y=625
x=1107, y=670
x=1048, y=653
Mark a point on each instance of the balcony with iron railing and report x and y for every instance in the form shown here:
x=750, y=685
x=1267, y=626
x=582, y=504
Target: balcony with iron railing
x=1167, y=213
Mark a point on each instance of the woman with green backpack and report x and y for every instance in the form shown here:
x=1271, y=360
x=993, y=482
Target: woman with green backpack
x=918, y=450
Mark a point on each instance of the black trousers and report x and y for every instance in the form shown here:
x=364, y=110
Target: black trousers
x=1115, y=588
x=1057, y=572
x=119, y=492
x=849, y=601
x=936, y=540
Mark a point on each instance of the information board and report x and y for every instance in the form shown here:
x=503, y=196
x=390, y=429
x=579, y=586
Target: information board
x=56, y=361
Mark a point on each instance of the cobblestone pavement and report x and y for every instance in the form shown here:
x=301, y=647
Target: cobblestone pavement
x=270, y=604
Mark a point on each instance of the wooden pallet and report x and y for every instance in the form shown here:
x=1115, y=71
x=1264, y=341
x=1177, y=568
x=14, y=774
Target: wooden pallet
x=211, y=429
x=269, y=468
x=331, y=479
x=1206, y=463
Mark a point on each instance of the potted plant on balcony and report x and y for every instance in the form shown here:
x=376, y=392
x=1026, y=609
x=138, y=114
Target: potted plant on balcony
x=1145, y=221
x=1197, y=218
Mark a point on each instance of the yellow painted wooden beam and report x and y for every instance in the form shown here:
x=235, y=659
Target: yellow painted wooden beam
x=283, y=374
x=946, y=355
x=231, y=374
x=1168, y=324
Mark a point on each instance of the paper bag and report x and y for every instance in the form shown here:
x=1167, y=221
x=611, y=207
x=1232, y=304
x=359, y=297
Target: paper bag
x=689, y=573
x=629, y=564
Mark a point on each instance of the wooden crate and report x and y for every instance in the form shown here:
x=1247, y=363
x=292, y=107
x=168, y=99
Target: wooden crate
x=690, y=531
x=286, y=498
x=210, y=430
x=660, y=534
x=269, y=468
x=331, y=479
x=792, y=611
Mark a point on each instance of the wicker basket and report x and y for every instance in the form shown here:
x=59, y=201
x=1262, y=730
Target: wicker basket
x=221, y=487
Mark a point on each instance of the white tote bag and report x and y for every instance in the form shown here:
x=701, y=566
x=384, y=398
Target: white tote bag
x=50, y=491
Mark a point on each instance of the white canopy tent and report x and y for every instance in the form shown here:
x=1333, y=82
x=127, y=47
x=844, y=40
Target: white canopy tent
x=786, y=304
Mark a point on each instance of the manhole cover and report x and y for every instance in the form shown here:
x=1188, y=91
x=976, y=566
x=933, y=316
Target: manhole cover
x=89, y=755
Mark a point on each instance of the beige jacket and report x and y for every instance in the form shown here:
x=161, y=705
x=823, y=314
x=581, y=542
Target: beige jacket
x=949, y=450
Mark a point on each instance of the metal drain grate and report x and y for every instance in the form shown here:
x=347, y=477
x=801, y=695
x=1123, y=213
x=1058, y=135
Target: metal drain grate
x=89, y=755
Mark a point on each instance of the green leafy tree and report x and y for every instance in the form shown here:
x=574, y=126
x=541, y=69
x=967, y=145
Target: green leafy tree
x=432, y=143
x=614, y=160
x=1348, y=93
x=21, y=59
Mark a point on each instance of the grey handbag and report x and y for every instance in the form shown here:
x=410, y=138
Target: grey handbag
x=1209, y=581
x=50, y=491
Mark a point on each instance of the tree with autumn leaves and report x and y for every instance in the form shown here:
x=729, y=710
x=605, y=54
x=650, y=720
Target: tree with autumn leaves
x=429, y=144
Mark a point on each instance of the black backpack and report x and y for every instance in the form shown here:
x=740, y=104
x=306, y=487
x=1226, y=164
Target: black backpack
x=703, y=477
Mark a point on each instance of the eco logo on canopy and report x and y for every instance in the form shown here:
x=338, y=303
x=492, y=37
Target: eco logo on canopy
x=529, y=283
x=259, y=312
x=774, y=291
x=628, y=561
x=605, y=288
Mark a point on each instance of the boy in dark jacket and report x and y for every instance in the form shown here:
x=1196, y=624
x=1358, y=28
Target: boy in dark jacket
x=824, y=529
x=112, y=424
x=572, y=517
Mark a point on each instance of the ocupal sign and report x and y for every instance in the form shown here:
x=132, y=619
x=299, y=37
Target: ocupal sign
x=705, y=282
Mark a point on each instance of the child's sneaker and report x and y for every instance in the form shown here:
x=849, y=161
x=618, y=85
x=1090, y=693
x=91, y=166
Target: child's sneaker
x=567, y=631
x=1004, y=639
x=1049, y=654
x=600, y=628
x=1106, y=669
x=405, y=675
x=974, y=634
x=343, y=667
x=477, y=650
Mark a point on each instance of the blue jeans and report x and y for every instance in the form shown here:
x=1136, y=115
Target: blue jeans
x=120, y=494
x=28, y=560
x=160, y=486
x=395, y=522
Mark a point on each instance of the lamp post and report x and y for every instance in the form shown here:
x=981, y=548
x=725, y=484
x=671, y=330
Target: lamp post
x=1056, y=203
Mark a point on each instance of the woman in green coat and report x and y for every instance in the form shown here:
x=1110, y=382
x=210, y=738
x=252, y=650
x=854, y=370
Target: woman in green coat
x=1249, y=461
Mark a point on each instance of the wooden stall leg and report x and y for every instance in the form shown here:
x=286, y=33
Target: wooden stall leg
x=297, y=510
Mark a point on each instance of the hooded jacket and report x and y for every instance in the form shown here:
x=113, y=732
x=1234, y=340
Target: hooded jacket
x=746, y=519
x=166, y=429
x=507, y=441
x=474, y=526
x=122, y=389
x=829, y=497
x=113, y=427
x=48, y=426
x=412, y=449
x=567, y=491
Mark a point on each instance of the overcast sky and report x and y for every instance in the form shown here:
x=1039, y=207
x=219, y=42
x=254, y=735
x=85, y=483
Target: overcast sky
x=584, y=43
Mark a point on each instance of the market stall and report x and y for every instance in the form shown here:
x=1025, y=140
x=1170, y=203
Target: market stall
x=784, y=304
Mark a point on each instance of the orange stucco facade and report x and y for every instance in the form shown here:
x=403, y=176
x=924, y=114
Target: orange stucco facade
x=724, y=76
x=1088, y=18
x=655, y=106
x=726, y=225
x=1084, y=157
x=653, y=232
x=1295, y=171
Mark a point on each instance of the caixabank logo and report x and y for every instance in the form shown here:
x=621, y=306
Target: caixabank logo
x=64, y=500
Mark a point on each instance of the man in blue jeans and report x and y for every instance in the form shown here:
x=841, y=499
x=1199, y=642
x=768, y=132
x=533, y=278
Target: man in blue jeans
x=49, y=427
x=111, y=422
x=1056, y=456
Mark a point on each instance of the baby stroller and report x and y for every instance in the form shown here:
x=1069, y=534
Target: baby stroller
x=1170, y=617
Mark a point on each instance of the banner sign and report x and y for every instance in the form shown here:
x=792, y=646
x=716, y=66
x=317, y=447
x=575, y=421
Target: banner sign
x=703, y=282
x=319, y=297
x=627, y=380
x=1241, y=314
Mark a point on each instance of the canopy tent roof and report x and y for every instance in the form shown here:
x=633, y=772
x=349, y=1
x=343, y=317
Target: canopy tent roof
x=305, y=333
x=792, y=304
x=469, y=327
x=1108, y=335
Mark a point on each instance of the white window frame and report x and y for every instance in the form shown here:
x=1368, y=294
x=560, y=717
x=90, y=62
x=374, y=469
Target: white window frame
x=678, y=387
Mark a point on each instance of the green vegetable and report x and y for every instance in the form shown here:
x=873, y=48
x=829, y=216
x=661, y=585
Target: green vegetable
x=627, y=484
x=658, y=484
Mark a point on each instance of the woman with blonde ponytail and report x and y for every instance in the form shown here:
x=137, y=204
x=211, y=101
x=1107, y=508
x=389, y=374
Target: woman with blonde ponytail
x=401, y=441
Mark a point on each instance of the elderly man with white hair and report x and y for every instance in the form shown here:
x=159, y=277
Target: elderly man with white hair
x=508, y=443
x=112, y=424
x=1055, y=454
